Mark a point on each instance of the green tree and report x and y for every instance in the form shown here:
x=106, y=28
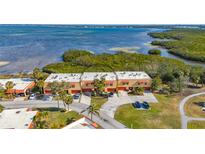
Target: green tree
x=99, y=85
x=86, y=60
x=39, y=77
x=40, y=120
x=92, y=109
x=72, y=54
x=37, y=74
x=202, y=78
x=9, y=86
x=40, y=85
x=156, y=83
x=66, y=98
x=168, y=77
x=138, y=90
x=195, y=75
x=154, y=52
x=57, y=88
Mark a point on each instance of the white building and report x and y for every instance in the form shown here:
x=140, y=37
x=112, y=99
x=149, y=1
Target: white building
x=16, y=118
x=21, y=85
x=83, y=123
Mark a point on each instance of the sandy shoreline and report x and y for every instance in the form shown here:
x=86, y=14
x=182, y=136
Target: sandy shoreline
x=125, y=49
x=3, y=63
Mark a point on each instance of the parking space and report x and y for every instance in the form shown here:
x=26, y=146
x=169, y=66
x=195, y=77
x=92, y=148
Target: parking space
x=85, y=99
x=114, y=102
x=19, y=99
x=147, y=97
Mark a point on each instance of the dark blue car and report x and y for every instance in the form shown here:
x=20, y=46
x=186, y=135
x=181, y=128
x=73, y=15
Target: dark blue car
x=139, y=105
x=136, y=105
x=145, y=105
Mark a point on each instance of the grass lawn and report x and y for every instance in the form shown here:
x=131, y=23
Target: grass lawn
x=193, y=108
x=164, y=114
x=58, y=119
x=1, y=108
x=196, y=125
x=98, y=101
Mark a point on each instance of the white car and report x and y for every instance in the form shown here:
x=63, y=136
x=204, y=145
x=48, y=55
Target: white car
x=48, y=98
x=203, y=108
x=32, y=97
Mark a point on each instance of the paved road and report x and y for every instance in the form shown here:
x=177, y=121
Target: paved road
x=184, y=118
x=103, y=120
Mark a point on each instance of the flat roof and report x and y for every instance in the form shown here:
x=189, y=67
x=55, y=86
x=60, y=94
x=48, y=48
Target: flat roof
x=16, y=118
x=83, y=123
x=90, y=76
x=19, y=83
x=66, y=77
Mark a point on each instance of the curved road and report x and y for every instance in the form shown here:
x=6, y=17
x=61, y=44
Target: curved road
x=184, y=118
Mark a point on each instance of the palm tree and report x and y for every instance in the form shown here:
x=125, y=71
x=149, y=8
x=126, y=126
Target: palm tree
x=9, y=85
x=99, y=85
x=40, y=120
x=57, y=89
x=40, y=84
x=39, y=78
x=37, y=74
x=92, y=109
x=138, y=90
x=66, y=98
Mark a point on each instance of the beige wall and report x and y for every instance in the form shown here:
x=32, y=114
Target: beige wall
x=136, y=83
x=89, y=85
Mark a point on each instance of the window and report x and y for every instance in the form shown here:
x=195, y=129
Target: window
x=125, y=83
x=109, y=84
x=73, y=86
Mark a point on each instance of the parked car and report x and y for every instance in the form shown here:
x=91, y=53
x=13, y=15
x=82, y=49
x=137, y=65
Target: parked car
x=76, y=96
x=18, y=95
x=47, y=98
x=110, y=94
x=145, y=105
x=32, y=97
x=93, y=93
x=87, y=94
x=137, y=104
x=134, y=105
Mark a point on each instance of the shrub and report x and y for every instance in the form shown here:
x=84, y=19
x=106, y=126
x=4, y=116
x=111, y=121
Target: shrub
x=73, y=54
x=154, y=52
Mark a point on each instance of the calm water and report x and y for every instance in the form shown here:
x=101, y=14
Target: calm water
x=29, y=46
